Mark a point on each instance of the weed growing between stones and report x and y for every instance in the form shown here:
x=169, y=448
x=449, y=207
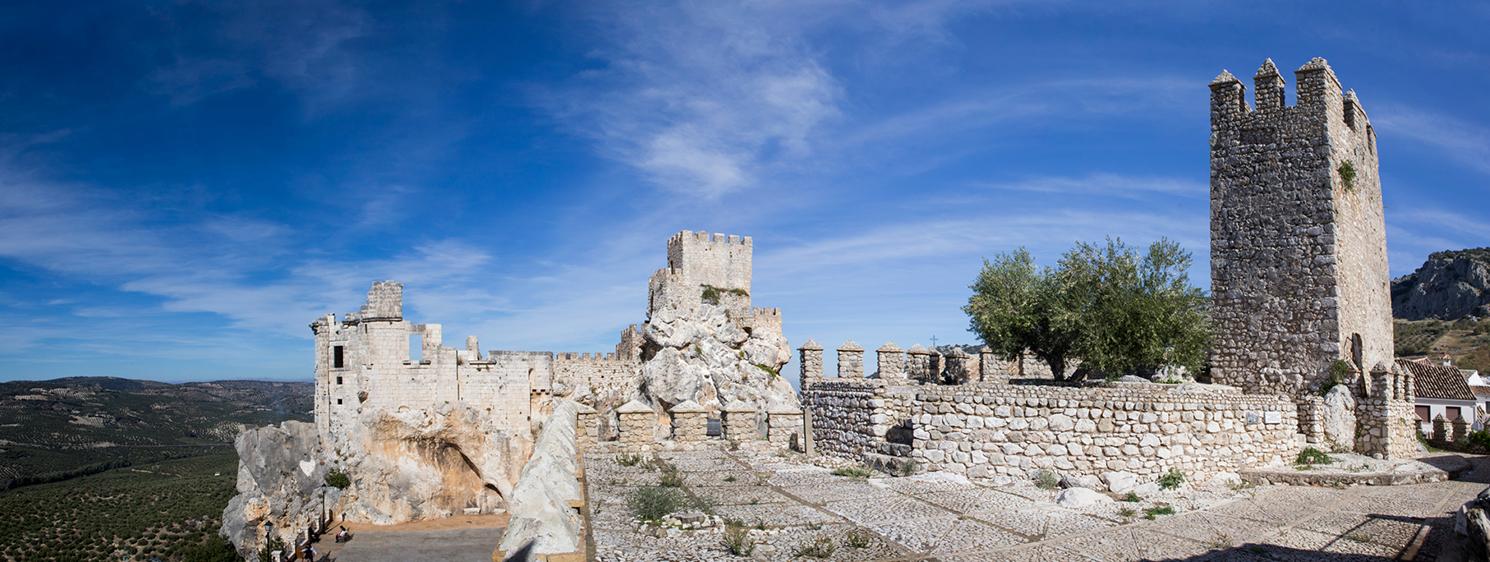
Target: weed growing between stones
x=1347, y=175
x=1172, y=479
x=1126, y=513
x=1047, y=480
x=626, y=459
x=737, y=539
x=652, y=503
x=906, y=468
x=1153, y=513
x=730, y=478
x=853, y=472
x=1132, y=497
x=1311, y=456
x=1339, y=370
x=820, y=547
x=858, y=538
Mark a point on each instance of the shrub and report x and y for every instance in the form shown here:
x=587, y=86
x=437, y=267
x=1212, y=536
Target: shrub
x=1132, y=497
x=853, y=472
x=820, y=547
x=737, y=540
x=652, y=503
x=1154, y=512
x=1480, y=439
x=711, y=294
x=1172, y=479
x=859, y=538
x=1047, y=480
x=338, y=479
x=1311, y=456
x=1347, y=175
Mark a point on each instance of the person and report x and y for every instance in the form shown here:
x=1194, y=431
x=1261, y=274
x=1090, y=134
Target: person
x=343, y=535
x=310, y=552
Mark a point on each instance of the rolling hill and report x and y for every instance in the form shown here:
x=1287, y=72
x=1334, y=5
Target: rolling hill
x=57, y=429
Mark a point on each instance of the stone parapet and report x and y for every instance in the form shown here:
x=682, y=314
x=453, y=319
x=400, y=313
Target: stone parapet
x=985, y=430
x=785, y=426
x=638, y=423
x=690, y=422
x=741, y=422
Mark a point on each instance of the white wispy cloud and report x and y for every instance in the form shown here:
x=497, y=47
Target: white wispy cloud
x=1460, y=140
x=1105, y=184
x=701, y=97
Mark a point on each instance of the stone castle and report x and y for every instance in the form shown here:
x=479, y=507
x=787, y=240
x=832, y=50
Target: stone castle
x=1302, y=355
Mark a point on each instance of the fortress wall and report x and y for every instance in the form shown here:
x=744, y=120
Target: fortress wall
x=985, y=430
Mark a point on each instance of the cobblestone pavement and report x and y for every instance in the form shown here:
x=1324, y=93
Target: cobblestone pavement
x=791, y=504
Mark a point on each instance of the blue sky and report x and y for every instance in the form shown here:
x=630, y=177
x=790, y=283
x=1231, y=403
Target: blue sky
x=184, y=187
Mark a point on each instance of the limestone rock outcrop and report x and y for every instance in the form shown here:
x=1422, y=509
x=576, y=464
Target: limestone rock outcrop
x=420, y=464
x=1449, y=286
x=281, y=479
x=704, y=356
x=1338, y=419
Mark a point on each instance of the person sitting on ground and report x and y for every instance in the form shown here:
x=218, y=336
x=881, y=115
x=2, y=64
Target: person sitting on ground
x=343, y=535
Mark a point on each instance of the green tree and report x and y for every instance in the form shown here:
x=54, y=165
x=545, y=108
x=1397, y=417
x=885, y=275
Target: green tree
x=1017, y=307
x=1118, y=312
x=1137, y=314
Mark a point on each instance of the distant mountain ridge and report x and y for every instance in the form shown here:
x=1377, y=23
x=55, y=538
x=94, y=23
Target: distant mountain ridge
x=56, y=428
x=1450, y=285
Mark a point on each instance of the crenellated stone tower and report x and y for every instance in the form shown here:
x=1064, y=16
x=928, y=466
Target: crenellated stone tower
x=1298, y=243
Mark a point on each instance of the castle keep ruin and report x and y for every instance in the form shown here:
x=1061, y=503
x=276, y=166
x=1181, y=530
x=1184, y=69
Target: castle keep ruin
x=426, y=430
x=1302, y=355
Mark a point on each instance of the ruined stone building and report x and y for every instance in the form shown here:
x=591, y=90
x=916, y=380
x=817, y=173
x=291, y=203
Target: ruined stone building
x=428, y=430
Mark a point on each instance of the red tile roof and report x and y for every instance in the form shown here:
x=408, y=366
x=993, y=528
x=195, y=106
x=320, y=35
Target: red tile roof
x=1437, y=381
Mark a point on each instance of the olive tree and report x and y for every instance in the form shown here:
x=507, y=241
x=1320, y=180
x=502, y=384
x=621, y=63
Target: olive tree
x=1116, y=311
x=1017, y=307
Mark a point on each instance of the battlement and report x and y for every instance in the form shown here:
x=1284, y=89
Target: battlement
x=591, y=357
x=716, y=260
x=1318, y=93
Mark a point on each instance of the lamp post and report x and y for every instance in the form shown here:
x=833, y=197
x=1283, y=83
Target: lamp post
x=268, y=532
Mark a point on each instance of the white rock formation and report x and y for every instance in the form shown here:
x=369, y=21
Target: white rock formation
x=1080, y=497
x=1338, y=419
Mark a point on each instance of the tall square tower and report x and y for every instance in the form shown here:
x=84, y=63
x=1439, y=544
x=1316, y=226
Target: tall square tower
x=1298, y=242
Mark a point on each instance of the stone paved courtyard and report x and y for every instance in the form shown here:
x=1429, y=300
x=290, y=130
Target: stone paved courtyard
x=791, y=503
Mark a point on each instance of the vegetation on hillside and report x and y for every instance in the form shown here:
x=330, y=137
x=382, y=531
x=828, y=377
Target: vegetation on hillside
x=168, y=510
x=1466, y=341
x=1117, y=311
x=64, y=428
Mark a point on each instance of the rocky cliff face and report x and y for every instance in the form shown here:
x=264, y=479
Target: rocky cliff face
x=281, y=478
x=402, y=466
x=1450, y=285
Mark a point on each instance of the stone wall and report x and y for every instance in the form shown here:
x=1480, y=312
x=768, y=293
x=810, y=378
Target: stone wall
x=855, y=417
x=987, y=430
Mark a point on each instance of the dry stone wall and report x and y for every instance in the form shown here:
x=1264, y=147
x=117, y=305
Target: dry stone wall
x=987, y=430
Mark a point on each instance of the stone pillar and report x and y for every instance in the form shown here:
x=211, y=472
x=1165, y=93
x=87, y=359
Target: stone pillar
x=637, y=424
x=1440, y=429
x=690, y=422
x=474, y=346
x=586, y=426
x=1461, y=429
x=958, y=370
x=812, y=362
x=740, y=422
x=918, y=364
x=990, y=368
x=850, y=360
x=891, y=363
x=785, y=425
